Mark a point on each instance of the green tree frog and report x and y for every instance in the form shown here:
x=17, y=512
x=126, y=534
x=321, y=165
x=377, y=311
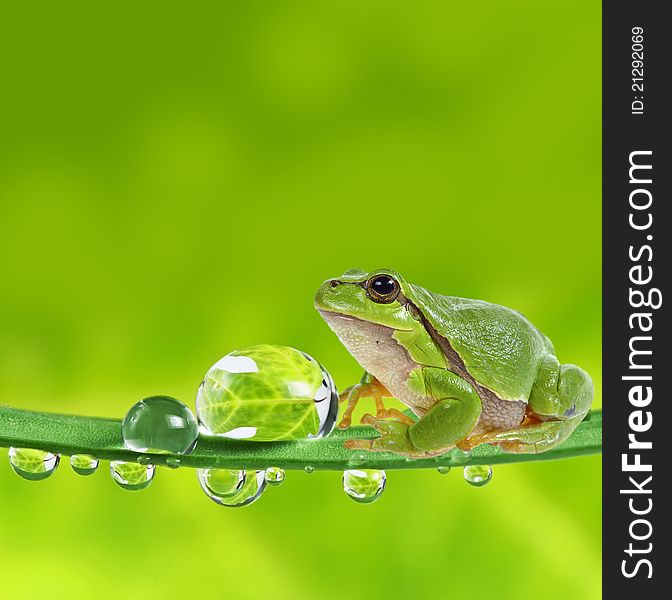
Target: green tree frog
x=472, y=372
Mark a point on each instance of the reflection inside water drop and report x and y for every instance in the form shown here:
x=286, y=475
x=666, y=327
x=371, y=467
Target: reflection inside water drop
x=231, y=487
x=274, y=476
x=131, y=476
x=32, y=464
x=364, y=485
x=83, y=464
x=222, y=482
x=478, y=475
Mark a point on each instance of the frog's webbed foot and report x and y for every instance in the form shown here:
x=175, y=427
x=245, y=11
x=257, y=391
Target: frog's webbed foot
x=489, y=436
x=369, y=387
x=393, y=438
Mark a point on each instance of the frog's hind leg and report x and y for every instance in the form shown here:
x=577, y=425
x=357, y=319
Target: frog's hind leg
x=532, y=437
x=560, y=398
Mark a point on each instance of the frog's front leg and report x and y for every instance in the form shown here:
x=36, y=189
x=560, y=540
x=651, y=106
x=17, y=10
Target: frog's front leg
x=369, y=387
x=454, y=415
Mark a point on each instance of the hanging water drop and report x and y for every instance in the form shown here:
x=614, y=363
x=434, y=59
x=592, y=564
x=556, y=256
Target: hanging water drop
x=443, y=470
x=131, y=476
x=222, y=482
x=274, y=476
x=83, y=464
x=309, y=469
x=160, y=424
x=364, y=485
x=213, y=483
x=478, y=475
x=32, y=464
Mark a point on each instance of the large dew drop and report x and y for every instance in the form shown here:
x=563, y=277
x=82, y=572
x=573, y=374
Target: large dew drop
x=478, y=475
x=131, y=476
x=364, y=485
x=31, y=464
x=224, y=486
x=160, y=424
x=265, y=394
x=274, y=476
x=84, y=464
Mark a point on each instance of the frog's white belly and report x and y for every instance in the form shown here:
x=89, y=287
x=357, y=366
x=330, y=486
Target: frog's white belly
x=377, y=352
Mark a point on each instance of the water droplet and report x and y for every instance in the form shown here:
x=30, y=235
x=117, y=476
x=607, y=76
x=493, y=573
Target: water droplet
x=478, y=475
x=267, y=376
x=364, y=485
x=309, y=469
x=143, y=460
x=222, y=482
x=443, y=470
x=84, y=464
x=131, y=475
x=357, y=459
x=160, y=424
x=213, y=483
x=173, y=462
x=274, y=476
x=31, y=464
x=457, y=454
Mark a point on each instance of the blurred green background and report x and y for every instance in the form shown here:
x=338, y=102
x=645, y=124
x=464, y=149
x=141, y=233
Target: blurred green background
x=175, y=183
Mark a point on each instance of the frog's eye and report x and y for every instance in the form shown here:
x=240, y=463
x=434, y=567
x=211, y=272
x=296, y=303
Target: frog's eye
x=383, y=288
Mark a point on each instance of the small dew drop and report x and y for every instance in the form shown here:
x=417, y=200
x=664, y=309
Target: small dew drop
x=274, y=476
x=83, y=464
x=160, y=424
x=132, y=476
x=230, y=487
x=357, y=459
x=364, y=485
x=457, y=454
x=477, y=475
x=443, y=470
x=173, y=462
x=32, y=464
x=144, y=460
x=309, y=469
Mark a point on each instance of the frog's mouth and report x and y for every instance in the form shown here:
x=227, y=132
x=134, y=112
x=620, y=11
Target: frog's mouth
x=328, y=315
x=339, y=321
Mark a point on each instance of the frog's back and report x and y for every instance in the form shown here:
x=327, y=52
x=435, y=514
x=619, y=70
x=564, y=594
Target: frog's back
x=500, y=348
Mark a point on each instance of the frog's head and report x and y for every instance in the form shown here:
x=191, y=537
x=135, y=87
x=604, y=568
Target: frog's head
x=356, y=298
